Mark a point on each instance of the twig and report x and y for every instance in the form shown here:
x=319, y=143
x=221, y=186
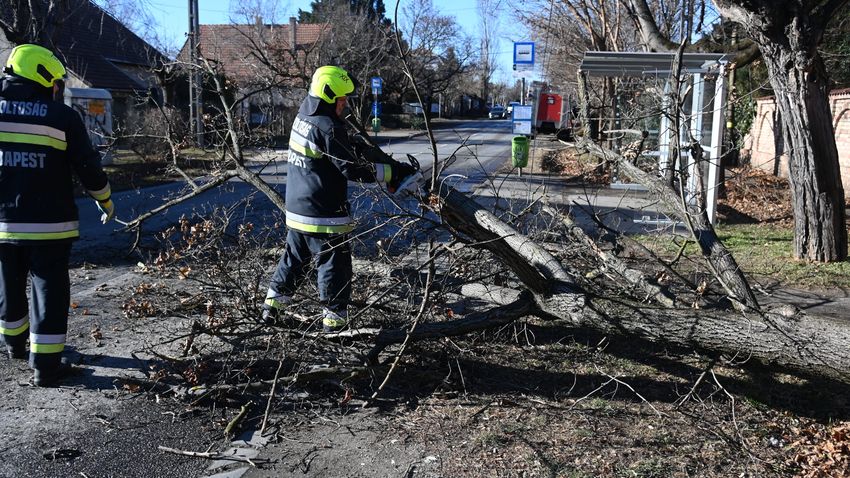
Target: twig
x=271, y=398
x=211, y=455
x=708, y=368
x=615, y=379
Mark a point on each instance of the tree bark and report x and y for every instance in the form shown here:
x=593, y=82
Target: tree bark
x=817, y=195
x=788, y=38
x=809, y=345
x=650, y=34
x=535, y=266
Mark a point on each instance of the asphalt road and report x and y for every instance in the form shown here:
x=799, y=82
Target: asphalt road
x=480, y=147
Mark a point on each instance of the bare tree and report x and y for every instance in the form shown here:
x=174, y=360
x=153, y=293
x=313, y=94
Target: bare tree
x=488, y=13
x=34, y=21
x=439, y=52
x=362, y=43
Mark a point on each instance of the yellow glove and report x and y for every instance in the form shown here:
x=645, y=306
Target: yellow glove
x=107, y=210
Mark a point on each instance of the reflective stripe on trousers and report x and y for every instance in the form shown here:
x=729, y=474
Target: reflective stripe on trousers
x=325, y=225
x=277, y=300
x=47, y=343
x=383, y=172
x=39, y=231
x=14, y=328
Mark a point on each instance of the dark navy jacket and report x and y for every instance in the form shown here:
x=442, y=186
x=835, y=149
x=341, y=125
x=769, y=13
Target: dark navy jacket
x=42, y=143
x=321, y=162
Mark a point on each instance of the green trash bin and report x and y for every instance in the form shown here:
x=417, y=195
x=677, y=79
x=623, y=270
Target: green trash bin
x=519, y=152
x=376, y=125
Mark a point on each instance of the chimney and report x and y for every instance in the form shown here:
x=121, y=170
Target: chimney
x=292, y=35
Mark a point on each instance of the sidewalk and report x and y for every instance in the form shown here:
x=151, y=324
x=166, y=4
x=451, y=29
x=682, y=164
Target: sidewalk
x=628, y=210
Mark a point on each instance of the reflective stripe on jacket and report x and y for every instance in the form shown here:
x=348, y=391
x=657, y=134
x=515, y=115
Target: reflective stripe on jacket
x=43, y=144
x=321, y=162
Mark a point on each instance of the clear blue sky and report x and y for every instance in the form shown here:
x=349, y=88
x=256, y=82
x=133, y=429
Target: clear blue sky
x=172, y=18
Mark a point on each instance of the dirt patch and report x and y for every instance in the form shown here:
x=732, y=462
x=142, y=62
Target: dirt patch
x=569, y=163
x=755, y=196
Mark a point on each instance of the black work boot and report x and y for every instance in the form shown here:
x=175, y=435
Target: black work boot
x=17, y=353
x=52, y=377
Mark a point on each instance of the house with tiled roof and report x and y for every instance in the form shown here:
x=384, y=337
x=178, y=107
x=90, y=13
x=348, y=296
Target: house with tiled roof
x=269, y=65
x=98, y=50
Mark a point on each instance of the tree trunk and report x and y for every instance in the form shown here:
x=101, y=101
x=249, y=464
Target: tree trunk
x=788, y=39
x=809, y=345
x=787, y=338
x=535, y=266
x=817, y=195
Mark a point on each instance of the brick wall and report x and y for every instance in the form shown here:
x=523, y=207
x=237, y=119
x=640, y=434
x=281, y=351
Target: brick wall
x=764, y=143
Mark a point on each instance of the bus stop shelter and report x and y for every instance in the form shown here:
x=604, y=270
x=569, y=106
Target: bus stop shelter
x=703, y=86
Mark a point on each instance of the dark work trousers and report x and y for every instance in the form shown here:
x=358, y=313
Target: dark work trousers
x=47, y=319
x=332, y=257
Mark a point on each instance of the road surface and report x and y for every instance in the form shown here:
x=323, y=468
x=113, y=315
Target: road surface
x=487, y=148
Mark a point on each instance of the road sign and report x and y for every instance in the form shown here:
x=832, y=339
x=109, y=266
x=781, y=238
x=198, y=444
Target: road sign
x=521, y=127
x=524, y=53
x=521, y=119
x=521, y=71
x=377, y=85
x=376, y=109
x=521, y=113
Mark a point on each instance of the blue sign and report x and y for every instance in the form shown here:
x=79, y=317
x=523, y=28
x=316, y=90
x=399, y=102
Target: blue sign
x=377, y=84
x=376, y=109
x=524, y=53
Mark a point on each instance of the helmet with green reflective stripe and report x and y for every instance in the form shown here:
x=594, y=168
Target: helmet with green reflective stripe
x=35, y=63
x=330, y=83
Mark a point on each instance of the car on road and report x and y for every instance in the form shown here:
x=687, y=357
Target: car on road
x=496, y=112
x=510, y=108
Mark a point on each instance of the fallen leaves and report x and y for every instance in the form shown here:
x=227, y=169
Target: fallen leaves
x=758, y=196
x=822, y=451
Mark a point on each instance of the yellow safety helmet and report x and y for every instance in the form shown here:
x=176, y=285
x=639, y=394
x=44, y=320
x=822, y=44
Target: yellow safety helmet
x=330, y=83
x=35, y=63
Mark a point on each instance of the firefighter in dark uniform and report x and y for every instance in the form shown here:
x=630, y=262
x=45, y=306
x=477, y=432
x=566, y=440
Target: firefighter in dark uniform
x=42, y=143
x=321, y=162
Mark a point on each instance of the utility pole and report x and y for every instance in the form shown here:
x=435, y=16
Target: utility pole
x=522, y=92
x=195, y=79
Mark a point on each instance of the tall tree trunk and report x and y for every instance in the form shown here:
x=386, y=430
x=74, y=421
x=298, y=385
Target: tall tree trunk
x=788, y=39
x=800, y=85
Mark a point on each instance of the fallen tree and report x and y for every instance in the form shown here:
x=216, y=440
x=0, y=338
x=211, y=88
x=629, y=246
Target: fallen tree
x=785, y=338
x=544, y=287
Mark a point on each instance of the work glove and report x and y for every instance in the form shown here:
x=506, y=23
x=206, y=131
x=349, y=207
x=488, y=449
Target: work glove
x=358, y=144
x=366, y=151
x=107, y=210
x=400, y=172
